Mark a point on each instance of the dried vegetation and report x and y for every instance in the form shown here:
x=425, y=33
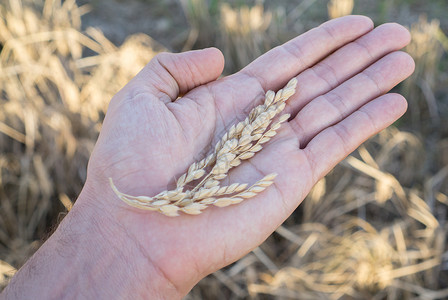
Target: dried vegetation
x=374, y=228
x=50, y=113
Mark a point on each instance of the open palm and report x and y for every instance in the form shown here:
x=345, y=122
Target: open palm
x=150, y=136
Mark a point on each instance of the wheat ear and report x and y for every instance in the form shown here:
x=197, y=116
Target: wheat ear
x=241, y=142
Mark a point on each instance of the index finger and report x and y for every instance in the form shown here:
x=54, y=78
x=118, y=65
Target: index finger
x=275, y=68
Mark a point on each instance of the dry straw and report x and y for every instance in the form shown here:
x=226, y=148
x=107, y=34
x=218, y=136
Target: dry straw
x=243, y=32
x=325, y=250
x=51, y=107
x=340, y=8
x=427, y=50
x=241, y=142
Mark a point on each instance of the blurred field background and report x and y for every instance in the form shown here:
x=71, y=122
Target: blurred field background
x=374, y=228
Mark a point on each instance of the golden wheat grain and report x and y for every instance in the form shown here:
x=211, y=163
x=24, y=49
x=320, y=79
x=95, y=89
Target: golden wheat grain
x=241, y=142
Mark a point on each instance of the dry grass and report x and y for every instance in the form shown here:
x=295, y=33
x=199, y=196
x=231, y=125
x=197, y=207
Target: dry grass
x=427, y=49
x=241, y=142
x=50, y=113
x=340, y=8
x=374, y=228
x=242, y=32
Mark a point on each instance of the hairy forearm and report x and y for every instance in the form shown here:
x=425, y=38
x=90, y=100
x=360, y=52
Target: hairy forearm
x=88, y=257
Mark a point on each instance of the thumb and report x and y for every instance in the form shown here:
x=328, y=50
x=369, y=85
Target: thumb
x=169, y=75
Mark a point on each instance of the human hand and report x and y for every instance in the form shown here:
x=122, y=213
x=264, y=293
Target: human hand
x=150, y=136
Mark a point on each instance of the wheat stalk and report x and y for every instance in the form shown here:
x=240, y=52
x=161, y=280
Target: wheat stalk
x=241, y=142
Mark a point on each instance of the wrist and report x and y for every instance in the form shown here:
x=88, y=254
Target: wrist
x=117, y=264
x=90, y=256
